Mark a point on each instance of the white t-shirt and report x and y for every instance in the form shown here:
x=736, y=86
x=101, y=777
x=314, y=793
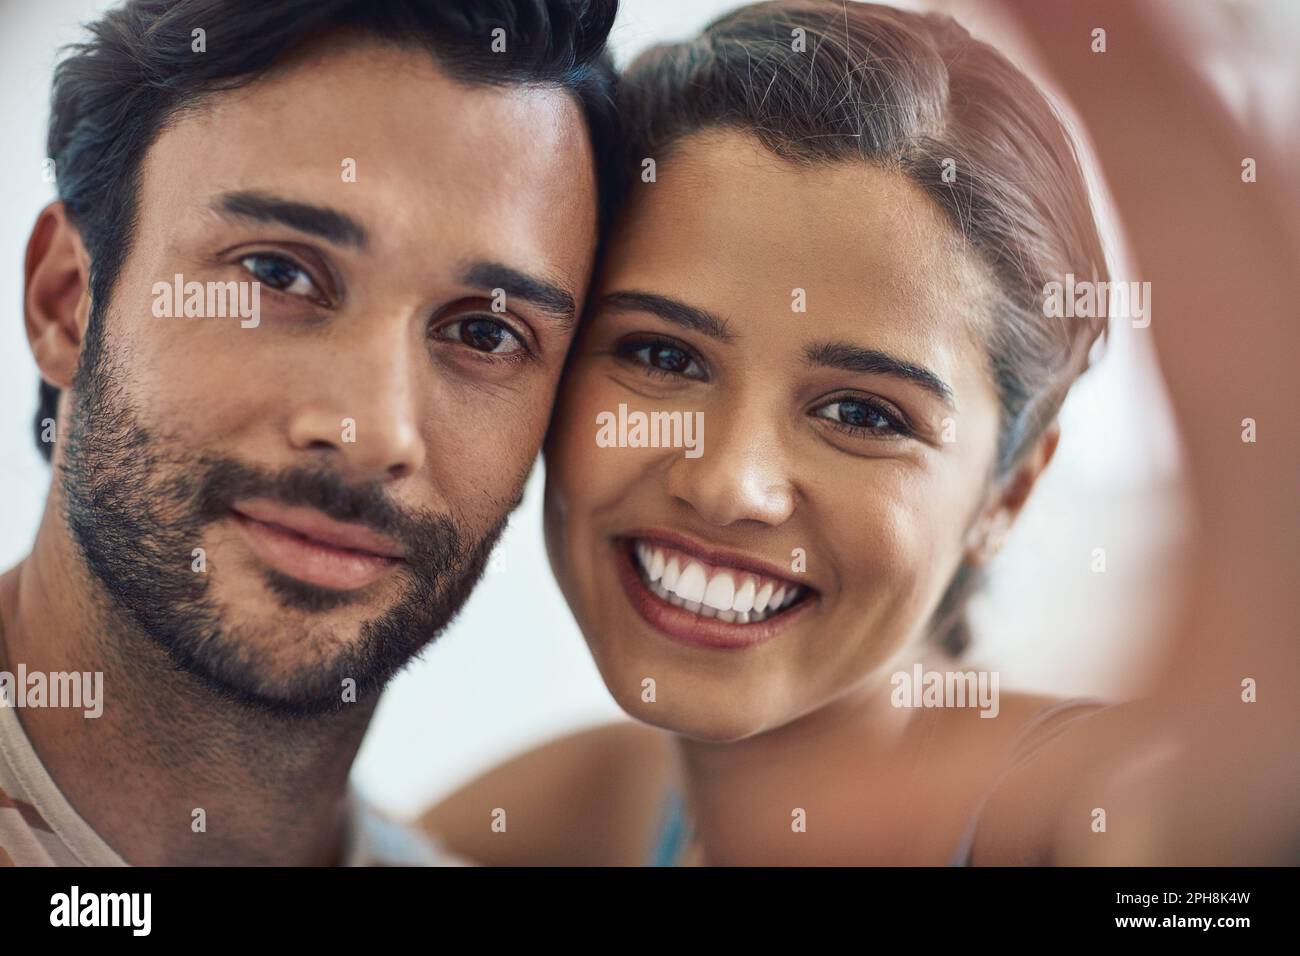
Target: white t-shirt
x=38, y=827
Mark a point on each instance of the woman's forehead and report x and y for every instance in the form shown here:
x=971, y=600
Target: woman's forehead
x=739, y=230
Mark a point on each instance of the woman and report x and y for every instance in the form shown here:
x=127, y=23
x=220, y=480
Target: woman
x=835, y=256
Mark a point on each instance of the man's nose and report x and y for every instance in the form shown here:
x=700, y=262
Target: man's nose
x=362, y=409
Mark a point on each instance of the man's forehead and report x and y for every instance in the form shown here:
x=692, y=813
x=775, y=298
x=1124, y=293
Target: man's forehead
x=387, y=135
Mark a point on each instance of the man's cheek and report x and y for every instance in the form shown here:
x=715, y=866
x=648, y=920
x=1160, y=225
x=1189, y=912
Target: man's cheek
x=181, y=377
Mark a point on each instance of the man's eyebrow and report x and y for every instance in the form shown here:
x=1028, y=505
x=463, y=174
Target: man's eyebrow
x=670, y=310
x=855, y=358
x=547, y=296
x=320, y=221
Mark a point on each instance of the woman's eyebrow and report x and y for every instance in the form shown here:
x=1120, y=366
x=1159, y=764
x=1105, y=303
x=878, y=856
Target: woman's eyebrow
x=670, y=310
x=855, y=358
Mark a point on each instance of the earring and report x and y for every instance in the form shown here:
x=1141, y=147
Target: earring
x=997, y=535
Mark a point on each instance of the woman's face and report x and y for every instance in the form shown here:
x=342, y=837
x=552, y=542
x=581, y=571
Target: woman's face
x=824, y=324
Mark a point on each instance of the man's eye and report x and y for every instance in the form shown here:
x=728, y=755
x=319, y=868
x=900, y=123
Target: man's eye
x=482, y=335
x=863, y=417
x=662, y=358
x=281, y=274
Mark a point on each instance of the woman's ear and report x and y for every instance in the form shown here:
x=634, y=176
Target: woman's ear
x=56, y=294
x=986, y=536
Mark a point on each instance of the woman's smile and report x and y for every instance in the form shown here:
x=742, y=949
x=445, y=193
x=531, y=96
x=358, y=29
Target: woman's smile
x=729, y=594
x=702, y=596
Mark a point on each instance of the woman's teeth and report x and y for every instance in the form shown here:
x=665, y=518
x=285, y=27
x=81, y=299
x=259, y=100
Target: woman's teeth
x=737, y=597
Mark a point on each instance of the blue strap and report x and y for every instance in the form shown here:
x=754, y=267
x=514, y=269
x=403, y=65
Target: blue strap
x=673, y=831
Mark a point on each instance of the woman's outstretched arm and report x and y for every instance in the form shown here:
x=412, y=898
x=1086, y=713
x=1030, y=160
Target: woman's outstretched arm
x=1194, y=773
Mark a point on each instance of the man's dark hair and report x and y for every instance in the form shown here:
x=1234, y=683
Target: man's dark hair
x=114, y=93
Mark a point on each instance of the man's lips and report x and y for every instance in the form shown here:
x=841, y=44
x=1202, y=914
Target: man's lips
x=305, y=544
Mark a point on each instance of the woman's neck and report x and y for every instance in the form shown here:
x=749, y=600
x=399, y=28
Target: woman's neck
x=777, y=797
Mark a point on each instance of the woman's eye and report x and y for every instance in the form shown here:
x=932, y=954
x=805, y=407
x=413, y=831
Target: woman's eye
x=663, y=358
x=280, y=274
x=483, y=335
x=860, y=415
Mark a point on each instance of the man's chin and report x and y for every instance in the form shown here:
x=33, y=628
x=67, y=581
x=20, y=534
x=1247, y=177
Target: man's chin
x=270, y=643
x=285, y=648
x=277, y=669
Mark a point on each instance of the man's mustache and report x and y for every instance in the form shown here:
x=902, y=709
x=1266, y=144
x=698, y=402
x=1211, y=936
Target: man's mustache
x=225, y=481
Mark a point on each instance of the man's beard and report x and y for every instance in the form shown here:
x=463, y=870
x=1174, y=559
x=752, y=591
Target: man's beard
x=136, y=506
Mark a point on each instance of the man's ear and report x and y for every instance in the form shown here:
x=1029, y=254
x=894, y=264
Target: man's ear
x=1007, y=498
x=56, y=294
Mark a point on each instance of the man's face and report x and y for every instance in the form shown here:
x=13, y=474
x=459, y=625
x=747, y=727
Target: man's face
x=288, y=501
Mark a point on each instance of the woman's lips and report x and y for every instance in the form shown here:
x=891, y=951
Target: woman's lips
x=688, y=627
x=309, y=547
x=722, y=590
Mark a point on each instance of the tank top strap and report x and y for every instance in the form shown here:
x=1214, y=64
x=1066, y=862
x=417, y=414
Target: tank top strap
x=674, y=831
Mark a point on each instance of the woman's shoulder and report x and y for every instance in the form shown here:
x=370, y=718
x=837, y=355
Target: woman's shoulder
x=944, y=771
x=590, y=797
x=1021, y=721
x=1044, y=716
x=1058, y=741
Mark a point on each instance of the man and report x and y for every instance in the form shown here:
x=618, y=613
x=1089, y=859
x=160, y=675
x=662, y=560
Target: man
x=300, y=312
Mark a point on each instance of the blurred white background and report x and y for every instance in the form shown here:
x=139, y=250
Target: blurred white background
x=513, y=669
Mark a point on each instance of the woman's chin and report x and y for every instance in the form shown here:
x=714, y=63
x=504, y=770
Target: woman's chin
x=715, y=723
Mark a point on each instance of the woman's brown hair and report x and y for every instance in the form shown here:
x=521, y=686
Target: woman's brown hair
x=828, y=81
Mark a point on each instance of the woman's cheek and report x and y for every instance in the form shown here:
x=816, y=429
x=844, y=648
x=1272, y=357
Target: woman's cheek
x=569, y=399
x=575, y=423
x=897, y=542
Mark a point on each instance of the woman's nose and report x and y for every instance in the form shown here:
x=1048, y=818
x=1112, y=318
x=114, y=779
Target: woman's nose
x=743, y=474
